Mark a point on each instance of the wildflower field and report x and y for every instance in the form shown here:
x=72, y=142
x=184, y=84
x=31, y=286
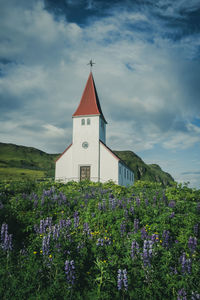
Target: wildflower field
x=99, y=241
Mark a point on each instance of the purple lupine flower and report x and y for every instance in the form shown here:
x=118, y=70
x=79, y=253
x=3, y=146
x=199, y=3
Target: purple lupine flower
x=172, y=204
x=137, y=201
x=42, y=200
x=195, y=296
x=154, y=200
x=76, y=219
x=100, y=242
x=45, y=244
x=4, y=229
x=134, y=249
x=44, y=224
x=132, y=210
x=126, y=213
x=62, y=223
x=62, y=197
x=56, y=231
x=112, y=203
x=35, y=203
x=119, y=279
x=185, y=264
x=123, y=228
x=6, y=239
x=155, y=238
x=166, y=238
x=192, y=243
x=122, y=280
x=182, y=295
x=125, y=279
x=146, y=202
x=68, y=222
x=196, y=229
x=143, y=233
x=172, y=215
x=120, y=203
x=70, y=272
x=147, y=252
x=136, y=225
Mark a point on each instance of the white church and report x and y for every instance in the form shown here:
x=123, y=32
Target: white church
x=88, y=156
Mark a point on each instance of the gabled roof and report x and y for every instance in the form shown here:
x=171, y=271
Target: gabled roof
x=89, y=104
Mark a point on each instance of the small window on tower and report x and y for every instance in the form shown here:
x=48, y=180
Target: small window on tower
x=88, y=121
x=83, y=122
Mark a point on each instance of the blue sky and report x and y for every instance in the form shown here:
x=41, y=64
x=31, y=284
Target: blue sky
x=147, y=56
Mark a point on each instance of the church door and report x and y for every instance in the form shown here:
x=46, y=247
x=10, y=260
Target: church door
x=84, y=173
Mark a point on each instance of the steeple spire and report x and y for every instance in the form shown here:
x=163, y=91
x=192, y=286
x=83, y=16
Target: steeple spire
x=89, y=104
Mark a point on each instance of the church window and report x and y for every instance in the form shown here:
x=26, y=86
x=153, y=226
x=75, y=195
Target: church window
x=88, y=121
x=127, y=174
x=83, y=122
x=120, y=170
x=124, y=173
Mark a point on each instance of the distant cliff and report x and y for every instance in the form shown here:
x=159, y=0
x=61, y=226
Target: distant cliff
x=143, y=171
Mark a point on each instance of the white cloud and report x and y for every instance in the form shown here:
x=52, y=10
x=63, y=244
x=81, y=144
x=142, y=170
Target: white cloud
x=53, y=131
x=146, y=85
x=176, y=8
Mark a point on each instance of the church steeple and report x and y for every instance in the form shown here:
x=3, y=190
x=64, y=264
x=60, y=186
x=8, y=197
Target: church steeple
x=89, y=104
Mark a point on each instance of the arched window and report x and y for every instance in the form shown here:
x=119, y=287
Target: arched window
x=88, y=121
x=83, y=122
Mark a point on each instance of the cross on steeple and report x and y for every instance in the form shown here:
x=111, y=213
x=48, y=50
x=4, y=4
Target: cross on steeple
x=91, y=63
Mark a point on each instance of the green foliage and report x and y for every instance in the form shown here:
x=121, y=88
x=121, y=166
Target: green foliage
x=94, y=227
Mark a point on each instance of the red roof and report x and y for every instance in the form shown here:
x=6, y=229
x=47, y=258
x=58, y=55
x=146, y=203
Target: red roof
x=89, y=104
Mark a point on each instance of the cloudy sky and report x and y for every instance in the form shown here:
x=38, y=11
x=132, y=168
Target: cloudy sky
x=147, y=55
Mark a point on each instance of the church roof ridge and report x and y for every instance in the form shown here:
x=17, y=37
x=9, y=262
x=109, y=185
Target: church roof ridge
x=89, y=103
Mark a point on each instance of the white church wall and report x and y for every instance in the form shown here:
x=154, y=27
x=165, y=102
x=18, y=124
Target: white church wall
x=108, y=165
x=63, y=168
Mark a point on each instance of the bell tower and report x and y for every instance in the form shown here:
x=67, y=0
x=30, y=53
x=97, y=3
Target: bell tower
x=89, y=128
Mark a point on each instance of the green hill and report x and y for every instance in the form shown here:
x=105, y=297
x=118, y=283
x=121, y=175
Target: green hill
x=20, y=162
x=143, y=171
x=25, y=162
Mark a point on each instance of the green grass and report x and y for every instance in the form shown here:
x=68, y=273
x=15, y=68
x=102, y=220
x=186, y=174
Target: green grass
x=20, y=174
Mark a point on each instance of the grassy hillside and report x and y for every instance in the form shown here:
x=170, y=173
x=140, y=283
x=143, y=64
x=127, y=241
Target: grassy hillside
x=26, y=162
